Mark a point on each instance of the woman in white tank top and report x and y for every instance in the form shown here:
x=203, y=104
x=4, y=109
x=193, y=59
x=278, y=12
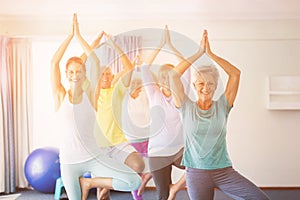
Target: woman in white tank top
x=79, y=152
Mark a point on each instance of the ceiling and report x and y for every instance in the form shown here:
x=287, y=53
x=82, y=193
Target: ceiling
x=151, y=9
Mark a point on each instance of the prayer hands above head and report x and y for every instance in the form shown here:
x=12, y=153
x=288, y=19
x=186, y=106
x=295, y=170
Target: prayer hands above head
x=167, y=36
x=163, y=38
x=207, y=45
x=96, y=43
x=137, y=61
x=106, y=35
x=75, y=18
x=72, y=31
x=110, y=39
x=76, y=25
x=204, y=41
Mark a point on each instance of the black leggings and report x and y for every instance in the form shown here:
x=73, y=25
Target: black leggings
x=161, y=170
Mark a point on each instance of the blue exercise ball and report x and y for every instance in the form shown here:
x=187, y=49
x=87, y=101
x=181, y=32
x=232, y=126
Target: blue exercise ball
x=42, y=168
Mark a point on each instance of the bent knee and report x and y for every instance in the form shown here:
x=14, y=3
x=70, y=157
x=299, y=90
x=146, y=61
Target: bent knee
x=135, y=162
x=132, y=182
x=135, y=183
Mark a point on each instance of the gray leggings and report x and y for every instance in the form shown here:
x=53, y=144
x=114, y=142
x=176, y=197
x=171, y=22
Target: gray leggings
x=201, y=184
x=161, y=170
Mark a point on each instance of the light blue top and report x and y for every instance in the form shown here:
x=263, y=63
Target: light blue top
x=205, y=135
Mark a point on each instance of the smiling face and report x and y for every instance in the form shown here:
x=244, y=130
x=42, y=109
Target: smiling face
x=205, y=83
x=205, y=87
x=163, y=76
x=106, y=78
x=75, y=72
x=135, y=87
x=163, y=79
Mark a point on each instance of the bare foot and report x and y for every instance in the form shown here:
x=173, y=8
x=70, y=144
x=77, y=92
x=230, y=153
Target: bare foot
x=145, y=178
x=85, y=186
x=172, y=193
x=103, y=194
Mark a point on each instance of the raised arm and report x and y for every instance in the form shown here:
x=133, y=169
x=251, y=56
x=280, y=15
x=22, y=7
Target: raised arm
x=94, y=61
x=179, y=56
x=95, y=44
x=58, y=90
x=176, y=85
x=125, y=74
x=149, y=60
x=186, y=63
x=137, y=61
x=232, y=72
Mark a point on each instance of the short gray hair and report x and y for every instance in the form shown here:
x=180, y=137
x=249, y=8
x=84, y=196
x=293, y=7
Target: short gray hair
x=206, y=70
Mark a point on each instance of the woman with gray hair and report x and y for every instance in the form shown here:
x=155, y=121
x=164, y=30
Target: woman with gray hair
x=205, y=156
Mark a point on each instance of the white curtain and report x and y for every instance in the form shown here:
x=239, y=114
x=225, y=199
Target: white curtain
x=21, y=67
x=4, y=108
x=16, y=115
x=131, y=45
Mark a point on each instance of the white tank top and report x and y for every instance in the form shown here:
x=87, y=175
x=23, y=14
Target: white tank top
x=136, y=117
x=76, y=126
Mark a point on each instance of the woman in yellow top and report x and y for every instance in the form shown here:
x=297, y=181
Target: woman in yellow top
x=110, y=95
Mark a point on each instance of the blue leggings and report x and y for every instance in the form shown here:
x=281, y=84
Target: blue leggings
x=124, y=178
x=201, y=184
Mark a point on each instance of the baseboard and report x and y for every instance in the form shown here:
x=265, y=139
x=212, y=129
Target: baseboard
x=280, y=188
x=263, y=188
x=150, y=188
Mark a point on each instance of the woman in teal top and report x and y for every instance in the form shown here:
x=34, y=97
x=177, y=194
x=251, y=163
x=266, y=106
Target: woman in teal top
x=206, y=158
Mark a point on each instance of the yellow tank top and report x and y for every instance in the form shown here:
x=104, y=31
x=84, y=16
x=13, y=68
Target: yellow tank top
x=109, y=113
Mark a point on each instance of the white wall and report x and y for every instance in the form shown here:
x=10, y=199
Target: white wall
x=263, y=144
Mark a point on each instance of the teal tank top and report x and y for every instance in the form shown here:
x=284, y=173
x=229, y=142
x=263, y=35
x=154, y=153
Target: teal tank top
x=205, y=135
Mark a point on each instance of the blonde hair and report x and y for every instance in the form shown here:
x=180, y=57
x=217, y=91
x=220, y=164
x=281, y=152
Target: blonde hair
x=165, y=68
x=75, y=59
